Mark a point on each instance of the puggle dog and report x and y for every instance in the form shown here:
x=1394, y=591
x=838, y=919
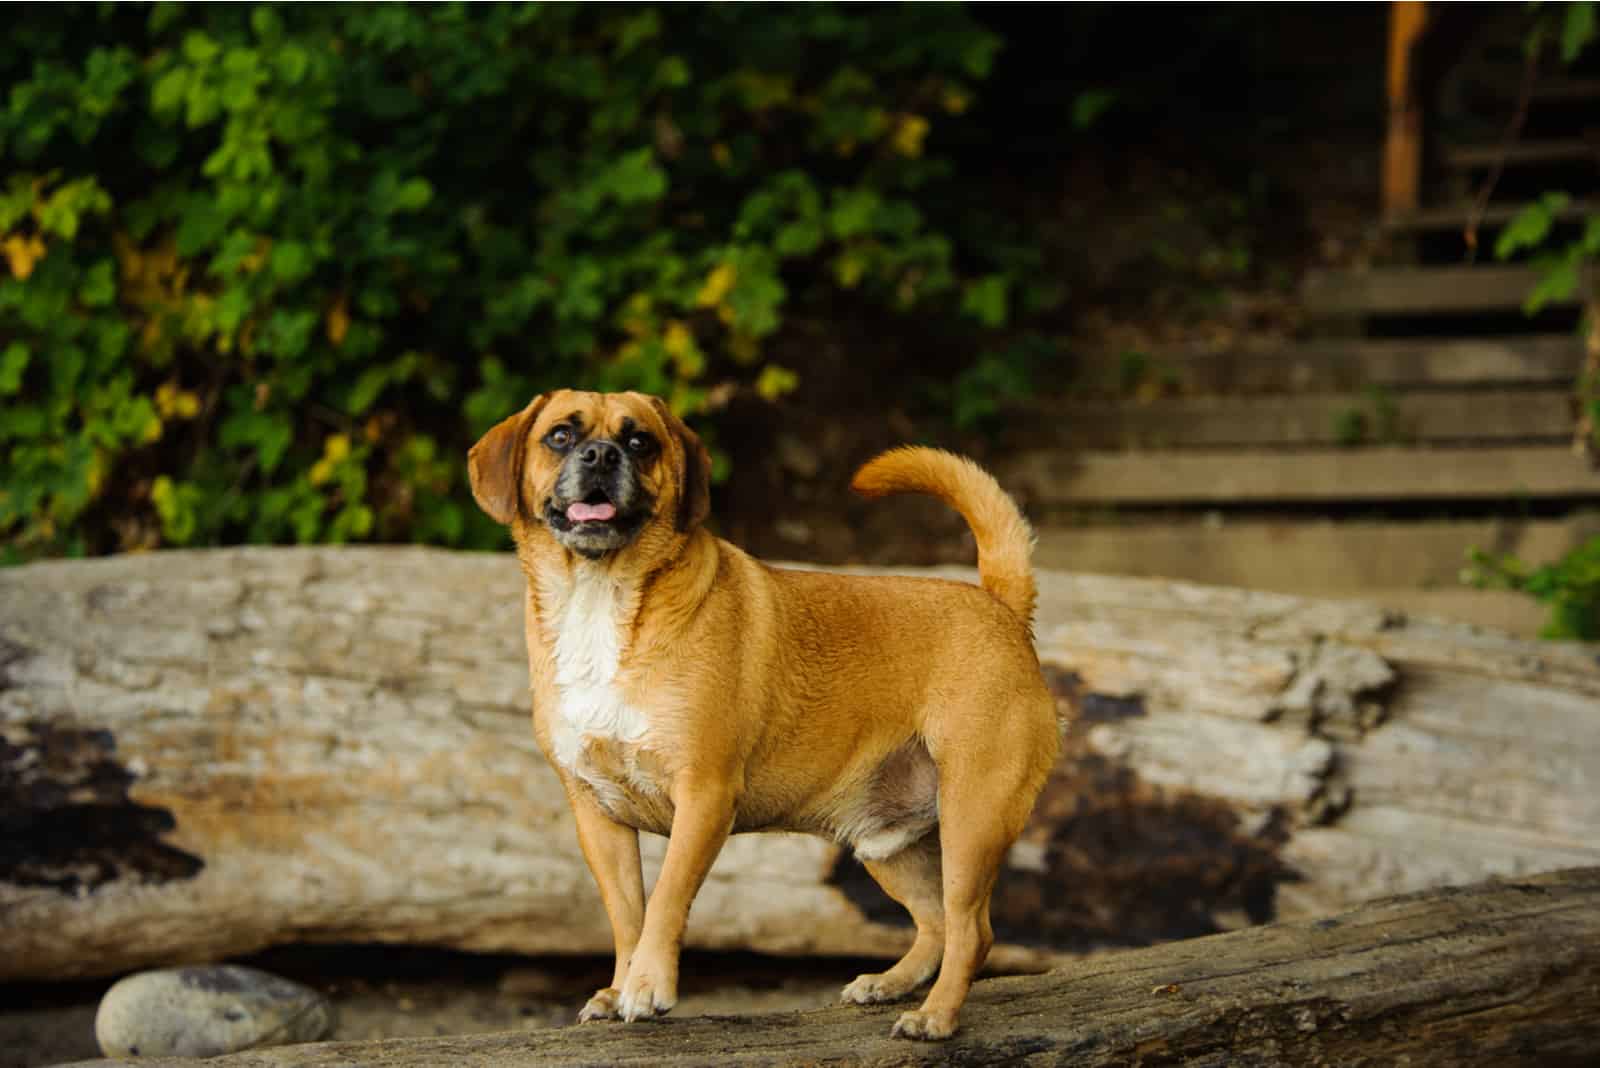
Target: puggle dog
x=684, y=688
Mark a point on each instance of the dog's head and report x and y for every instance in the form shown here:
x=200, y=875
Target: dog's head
x=597, y=472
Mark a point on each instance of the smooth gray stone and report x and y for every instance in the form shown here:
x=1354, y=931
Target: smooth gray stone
x=205, y=1010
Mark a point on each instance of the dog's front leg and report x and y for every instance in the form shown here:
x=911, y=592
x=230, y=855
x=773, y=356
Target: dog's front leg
x=701, y=821
x=612, y=852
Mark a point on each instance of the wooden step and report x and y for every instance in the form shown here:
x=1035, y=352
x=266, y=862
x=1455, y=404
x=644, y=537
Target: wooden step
x=1457, y=216
x=1568, y=89
x=1328, y=365
x=1058, y=477
x=1521, y=153
x=1422, y=290
x=1373, y=417
x=1304, y=556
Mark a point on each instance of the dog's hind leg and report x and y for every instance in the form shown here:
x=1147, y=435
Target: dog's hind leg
x=986, y=790
x=911, y=877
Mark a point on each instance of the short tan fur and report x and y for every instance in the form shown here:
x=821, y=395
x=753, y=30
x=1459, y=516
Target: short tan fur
x=682, y=687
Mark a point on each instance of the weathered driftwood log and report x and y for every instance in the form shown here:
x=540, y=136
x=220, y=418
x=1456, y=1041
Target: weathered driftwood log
x=1494, y=974
x=205, y=753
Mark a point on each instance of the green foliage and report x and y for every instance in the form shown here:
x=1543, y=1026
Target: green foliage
x=1563, y=267
x=1349, y=427
x=1569, y=588
x=269, y=269
x=1377, y=421
x=1577, y=29
x=1089, y=105
x=1573, y=26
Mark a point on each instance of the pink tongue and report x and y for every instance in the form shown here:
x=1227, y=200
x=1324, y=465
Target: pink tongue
x=581, y=513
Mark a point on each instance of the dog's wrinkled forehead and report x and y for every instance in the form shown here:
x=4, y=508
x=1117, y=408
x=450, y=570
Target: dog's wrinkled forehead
x=598, y=414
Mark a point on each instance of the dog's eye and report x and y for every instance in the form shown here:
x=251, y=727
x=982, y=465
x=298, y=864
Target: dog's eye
x=640, y=444
x=559, y=439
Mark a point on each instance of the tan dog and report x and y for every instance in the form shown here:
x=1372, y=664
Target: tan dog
x=684, y=688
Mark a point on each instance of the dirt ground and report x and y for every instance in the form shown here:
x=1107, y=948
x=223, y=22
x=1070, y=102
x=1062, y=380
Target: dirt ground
x=397, y=993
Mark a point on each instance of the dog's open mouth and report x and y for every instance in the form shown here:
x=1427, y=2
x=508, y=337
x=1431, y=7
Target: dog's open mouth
x=595, y=508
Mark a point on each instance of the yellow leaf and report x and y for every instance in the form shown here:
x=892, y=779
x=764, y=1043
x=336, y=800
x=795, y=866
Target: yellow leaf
x=334, y=450
x=955, y=101
x=150, y=334
x=679, y=343
x=774, y=381
x=22, y=253
x=720, y=153
x=909, y=133
x=251, y=261
x=848, y=269
x=97, y=472
x=152, y=430
x=338, y=321
x=637, y=319
x=717, y=285
x=173, y=402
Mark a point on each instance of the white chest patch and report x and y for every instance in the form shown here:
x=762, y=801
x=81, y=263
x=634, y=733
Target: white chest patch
x=586, y=619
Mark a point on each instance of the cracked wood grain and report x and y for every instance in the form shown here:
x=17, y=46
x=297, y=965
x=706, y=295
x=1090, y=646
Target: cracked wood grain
x=299, y=745
x=1503, y=974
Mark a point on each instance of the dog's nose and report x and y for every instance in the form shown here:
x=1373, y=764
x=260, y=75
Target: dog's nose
x=602, y=455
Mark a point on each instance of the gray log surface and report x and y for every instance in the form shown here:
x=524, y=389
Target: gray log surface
x=1495, y=974
x=207, y=753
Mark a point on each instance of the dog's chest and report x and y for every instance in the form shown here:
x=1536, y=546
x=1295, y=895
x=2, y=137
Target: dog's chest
x=595, y=732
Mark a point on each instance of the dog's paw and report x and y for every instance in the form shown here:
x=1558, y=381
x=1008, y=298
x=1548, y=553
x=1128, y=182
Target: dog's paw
x=646, y=993
x=925, y=1026
x=872, y=990
x=603, y=1006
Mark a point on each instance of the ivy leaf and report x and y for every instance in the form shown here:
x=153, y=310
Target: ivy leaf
x=1559, y=281
x=1089, y=105
x=167, y=95
x=413, y=194
x=200, y=227
x=99, y=286
x=1591, y=236
x=199, y=48
x=636, y=177
x=798, y=238
x=1577, y=29
x=292, y=63
x=290, y=261
x=1531, y=225
x=853, y=211
x=985, y=300
x=13, y=362
x=366, y=390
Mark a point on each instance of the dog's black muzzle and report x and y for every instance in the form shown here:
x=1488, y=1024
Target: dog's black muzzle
x=597, y=474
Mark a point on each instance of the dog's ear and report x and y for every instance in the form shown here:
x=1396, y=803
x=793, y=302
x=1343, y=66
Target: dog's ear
x=494, y=464
x=694, y=474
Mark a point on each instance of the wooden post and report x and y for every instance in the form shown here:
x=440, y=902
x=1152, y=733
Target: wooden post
x=1402, y=150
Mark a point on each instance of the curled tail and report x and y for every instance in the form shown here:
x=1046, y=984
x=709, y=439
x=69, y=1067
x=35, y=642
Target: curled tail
x=1005, y=541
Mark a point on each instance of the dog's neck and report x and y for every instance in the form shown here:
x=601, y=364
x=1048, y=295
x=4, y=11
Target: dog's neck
x=680, y=577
